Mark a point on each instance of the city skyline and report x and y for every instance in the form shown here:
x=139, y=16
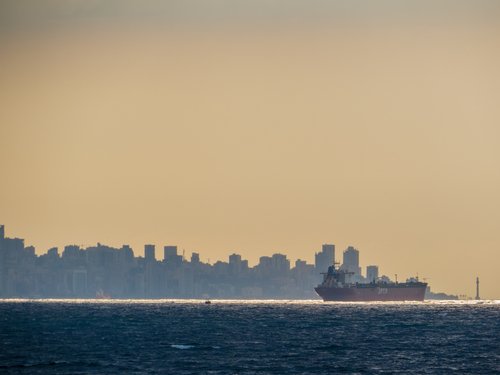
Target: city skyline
x=159, y=251
x=20, y=266
x=105, y=272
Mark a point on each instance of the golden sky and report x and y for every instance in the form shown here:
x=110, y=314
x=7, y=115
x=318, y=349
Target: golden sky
x=258, y=127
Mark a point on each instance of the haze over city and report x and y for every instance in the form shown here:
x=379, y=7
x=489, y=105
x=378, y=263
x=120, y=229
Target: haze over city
x=258, y=128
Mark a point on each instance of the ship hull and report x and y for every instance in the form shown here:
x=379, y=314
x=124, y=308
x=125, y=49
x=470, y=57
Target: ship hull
x=373, y=293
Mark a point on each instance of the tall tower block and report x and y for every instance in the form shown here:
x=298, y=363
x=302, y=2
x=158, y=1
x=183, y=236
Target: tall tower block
x=2, y=232
x=149, y=253
x=477, y=289
x=325, y=258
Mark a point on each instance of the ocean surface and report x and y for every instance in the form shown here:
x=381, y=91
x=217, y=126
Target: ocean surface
x=235, y=337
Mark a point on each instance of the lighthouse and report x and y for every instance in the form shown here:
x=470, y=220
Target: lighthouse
x=477, y=289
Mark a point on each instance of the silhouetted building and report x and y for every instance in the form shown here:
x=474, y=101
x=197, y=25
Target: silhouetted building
x=195, y=258
x=244, y=264
x=53, y=252
x=170, y=255
x=350, y=261
x=280, y=264
x=169, y=252
x=325, y=258
x=371, y=273
x=71, y=252
x=265, y=265
x=149, y=253
x=235, y=264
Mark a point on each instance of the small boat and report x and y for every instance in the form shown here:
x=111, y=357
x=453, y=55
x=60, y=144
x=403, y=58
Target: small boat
x=208, y=302
x=100, y=295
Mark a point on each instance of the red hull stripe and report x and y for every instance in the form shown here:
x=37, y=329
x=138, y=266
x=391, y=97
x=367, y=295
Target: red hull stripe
x=354, y=294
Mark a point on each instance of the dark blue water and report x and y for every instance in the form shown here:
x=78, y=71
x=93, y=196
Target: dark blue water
x=246, y=338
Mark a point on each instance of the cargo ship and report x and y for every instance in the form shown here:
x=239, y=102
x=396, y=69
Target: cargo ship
x=336, y=287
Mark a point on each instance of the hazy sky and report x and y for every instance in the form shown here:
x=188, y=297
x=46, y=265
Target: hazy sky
x=258, y=127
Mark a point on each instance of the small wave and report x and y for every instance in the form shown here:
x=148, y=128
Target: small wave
x=182, y=347
x=37, y=364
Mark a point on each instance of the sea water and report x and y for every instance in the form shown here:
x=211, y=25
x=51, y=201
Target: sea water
x=248, y=337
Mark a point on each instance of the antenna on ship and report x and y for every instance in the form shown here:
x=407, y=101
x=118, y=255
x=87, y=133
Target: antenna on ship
x=477, y=289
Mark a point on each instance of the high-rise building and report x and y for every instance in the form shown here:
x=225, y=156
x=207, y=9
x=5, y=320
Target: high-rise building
x=325, y=258
x=350, y=261
x=264, y=267
x=195, y=258
x=149, y=253
x=280, y=263
x=71, y=251
x=371, y=273
x=2, y=238
x=30, y=250
x=234, y=258
x=244, y=265
x=235, y=263
x=170, y=255
x=302, y=268
x=169, y=252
